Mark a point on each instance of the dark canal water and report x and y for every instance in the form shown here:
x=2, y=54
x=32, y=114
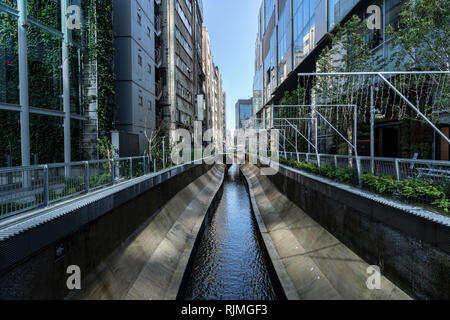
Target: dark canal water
x=229, y=263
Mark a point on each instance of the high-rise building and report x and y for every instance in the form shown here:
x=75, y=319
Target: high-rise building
x=134, y=41
x=179, y=64
x=291, y=34
x=56, y=91
x=215, y=97
x=244, y=112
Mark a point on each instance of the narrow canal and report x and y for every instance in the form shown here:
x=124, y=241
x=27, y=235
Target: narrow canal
x=229, y=263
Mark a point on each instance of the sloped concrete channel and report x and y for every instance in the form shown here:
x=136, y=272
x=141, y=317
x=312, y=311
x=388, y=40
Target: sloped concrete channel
x=311, y=263
x=230, y=261
x=151, y=264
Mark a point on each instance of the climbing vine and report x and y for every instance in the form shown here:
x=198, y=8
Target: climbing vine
x=100, y=50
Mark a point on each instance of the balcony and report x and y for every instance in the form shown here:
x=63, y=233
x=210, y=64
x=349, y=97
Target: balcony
x=158, y=57
x=159, y=90
x=158, y=26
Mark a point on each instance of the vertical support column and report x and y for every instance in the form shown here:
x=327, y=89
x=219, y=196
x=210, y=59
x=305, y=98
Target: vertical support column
x=86, y=176
x=46, y=187
x=23, y=89
x=355, y=129
x=66, y=86
x=372, y=131
x=397, y=169
x=164, y=152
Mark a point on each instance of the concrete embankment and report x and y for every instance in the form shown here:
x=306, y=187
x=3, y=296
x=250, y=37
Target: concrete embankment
x=118, y=237
x=151, y=264
x=310, y=262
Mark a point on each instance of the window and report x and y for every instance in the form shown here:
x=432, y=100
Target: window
x=140, y=60
x=140, y=101
x=184, y=18
x=139, y=19
x=183, y=42
x=149, y=105
x=189, y=5
x=149, y=32
x=149, y=68
x=183, y=67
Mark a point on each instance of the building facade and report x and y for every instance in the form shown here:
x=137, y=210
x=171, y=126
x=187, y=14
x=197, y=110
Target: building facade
x=243, y=113
x=215, y=102
x=179, y=80
x=291, y=35
x=134, y=41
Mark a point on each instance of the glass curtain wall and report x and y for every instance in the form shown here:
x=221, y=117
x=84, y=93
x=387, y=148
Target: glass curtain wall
x=304, y=22
x=44, y=57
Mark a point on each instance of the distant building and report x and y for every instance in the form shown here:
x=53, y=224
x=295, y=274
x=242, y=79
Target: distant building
x=134, y=30
x=244, y=112
x=214, y=111
x=180, y=74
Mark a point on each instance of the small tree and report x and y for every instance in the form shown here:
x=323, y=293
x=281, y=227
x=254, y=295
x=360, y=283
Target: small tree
x=422, y=38
x=349, y=51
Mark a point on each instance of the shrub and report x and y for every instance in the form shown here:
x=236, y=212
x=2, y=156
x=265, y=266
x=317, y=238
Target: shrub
x=380, y=183
x=346, y=175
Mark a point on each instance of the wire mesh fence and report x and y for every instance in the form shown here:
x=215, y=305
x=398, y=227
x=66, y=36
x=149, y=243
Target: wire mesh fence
x=423, y=182
x=26, y=188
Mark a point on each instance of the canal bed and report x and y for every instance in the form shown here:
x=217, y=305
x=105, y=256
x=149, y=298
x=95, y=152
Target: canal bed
x=229, y=262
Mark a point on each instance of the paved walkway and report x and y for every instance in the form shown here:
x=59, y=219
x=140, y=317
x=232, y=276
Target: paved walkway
x=311, y=263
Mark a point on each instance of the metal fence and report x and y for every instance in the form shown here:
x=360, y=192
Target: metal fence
x=400, y=169
x=423, y=182
x=26, y=188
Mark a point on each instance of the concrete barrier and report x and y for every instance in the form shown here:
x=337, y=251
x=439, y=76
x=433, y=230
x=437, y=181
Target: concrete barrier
x=34, y=262
x=412, y=246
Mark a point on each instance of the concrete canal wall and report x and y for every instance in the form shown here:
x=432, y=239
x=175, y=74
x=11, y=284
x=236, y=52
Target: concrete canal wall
x=411, y=245
x=116, y=236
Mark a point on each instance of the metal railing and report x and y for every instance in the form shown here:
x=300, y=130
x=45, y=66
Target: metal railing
x=26, y=188
x=401, y=169
x=423, y=182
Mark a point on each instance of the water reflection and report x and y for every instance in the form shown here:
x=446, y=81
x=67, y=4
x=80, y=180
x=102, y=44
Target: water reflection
x=229, y=264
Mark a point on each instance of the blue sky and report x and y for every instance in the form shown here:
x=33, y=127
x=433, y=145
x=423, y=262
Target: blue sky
x=232, y=26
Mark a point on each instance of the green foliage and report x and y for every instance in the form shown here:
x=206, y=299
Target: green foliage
x=415, y=188
x=380, y=183
x=346, y=175
x=328, y=171
x=423, y=36
x=294, y=97
x=100, y=180
x=100, y=47
x=349, y=50
x=426, y=191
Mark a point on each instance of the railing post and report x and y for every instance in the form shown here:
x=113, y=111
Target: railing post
x=86, y=176
x=335, y=162
x=307, y=157
x=144, y=159
x=131, y=167
x=46, y=187
x=164, y=153
x=10, y=175
x=397, y=169
x=113, y=171
x=318, y=160
x=298, y=157
x=154, y=165
x=358, y=167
